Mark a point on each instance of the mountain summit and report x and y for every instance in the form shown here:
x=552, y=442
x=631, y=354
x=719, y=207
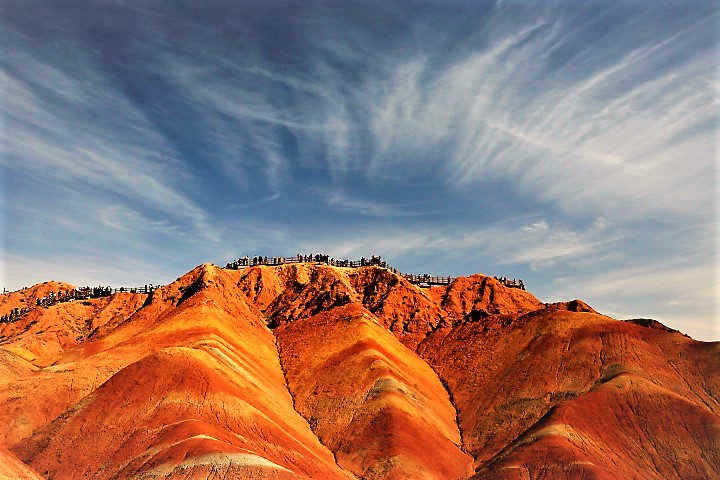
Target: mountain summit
x=311, y=370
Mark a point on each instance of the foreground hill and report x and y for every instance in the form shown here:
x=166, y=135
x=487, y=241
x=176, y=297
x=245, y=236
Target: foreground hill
x=311, y=371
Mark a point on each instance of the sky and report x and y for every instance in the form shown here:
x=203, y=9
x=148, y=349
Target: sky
x=571, y=144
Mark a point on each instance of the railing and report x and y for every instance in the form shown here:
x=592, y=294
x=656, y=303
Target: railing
x=423, y=280
x=317, y=258
x=511, y=282
x=83, y=293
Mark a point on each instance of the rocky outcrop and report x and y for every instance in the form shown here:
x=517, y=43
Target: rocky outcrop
x=571, y=306
x=650, y=323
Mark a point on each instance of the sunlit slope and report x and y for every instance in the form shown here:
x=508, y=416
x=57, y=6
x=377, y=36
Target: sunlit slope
x=202, y=393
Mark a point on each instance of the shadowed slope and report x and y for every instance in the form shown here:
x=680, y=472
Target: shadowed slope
x=479, y=296
x=411, y=313
x=295, y=291
x=403, y=308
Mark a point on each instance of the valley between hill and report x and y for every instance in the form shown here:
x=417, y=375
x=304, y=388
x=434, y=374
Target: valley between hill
x=313, y=371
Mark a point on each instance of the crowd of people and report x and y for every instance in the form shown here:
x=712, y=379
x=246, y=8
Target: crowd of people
x=300, y=258
x=512, y=283
x=422, y=279
x=81, y=293
x=14, y=315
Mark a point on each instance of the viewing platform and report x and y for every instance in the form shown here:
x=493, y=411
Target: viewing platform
x=421, y=280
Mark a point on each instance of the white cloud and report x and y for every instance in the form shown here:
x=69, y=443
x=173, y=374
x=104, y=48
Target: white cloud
x=341, y=201
x=124, y=219
x=625, y=134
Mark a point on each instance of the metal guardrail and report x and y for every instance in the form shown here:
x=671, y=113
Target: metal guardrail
x=82, y=293
x=422, y=280
x=427, y=279
x=319, y=258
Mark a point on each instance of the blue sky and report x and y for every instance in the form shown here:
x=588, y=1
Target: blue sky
x=570, y=144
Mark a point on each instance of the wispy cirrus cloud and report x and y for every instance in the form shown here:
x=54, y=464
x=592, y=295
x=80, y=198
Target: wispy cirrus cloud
x=518, y=242
x=596, y=142
x=590, y=134
x=70, y=126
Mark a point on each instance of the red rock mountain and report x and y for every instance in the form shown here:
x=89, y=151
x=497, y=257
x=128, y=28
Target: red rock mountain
x=312, y=371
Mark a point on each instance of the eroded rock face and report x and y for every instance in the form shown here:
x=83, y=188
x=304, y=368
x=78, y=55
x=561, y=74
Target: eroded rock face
x=311, y=371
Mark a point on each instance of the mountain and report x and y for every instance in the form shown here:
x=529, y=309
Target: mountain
x=308, y=370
